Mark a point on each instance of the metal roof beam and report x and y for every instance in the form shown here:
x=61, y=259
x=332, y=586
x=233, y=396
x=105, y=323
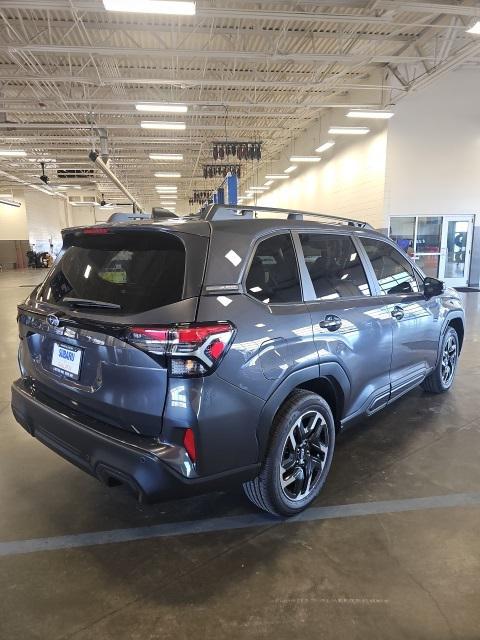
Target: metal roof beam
x=174, y=28
x=205, y=11
x=255, y=56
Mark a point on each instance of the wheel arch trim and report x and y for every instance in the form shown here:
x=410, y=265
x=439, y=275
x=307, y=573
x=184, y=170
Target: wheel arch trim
x=329, y=372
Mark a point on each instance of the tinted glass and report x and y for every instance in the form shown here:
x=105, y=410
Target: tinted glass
x=334, y=266
x=273, y=275
x=137, y=271
x=402, y=230
x=394, y=273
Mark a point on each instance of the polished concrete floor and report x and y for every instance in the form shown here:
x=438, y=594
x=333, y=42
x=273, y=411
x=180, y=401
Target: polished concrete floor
x=402, y=562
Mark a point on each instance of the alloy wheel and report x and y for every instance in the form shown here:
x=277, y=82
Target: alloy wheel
x=449, y=360
x=304, y=455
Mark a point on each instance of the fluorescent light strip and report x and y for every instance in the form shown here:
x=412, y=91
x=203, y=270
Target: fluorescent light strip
x=291, y=168
x=167, y=174
x=10, y=203
x=258, y=188
x=268, y=183
x=348, y=131
x=305, y=159
x=279, y=176
x=166, y=204
x=475, y=29
x=168, y=7
x=147, y=124
x=167, y=157
x=371, y=114
x=162, y=108
x=325, y=146
x=12, y=153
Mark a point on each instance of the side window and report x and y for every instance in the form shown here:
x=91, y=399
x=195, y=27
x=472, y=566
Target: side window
x=394, y=273
x=273, y=275
x=334, y=266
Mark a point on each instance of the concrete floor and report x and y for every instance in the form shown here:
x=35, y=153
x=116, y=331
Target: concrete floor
x=406, y=571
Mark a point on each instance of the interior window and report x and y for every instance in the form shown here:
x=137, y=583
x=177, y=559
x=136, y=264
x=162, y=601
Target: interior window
x=334, y=266
x=394, y=273
x=273, y=275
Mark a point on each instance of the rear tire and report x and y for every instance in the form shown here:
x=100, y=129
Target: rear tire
x=299, y=456
x=442, y=377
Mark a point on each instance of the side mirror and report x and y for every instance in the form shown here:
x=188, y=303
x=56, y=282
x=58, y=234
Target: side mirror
x=433, y=287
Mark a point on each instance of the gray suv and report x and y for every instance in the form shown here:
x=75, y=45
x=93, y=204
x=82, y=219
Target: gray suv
x=185, y=355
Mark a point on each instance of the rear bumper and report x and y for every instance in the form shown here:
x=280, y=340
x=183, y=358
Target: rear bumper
x=152, y=469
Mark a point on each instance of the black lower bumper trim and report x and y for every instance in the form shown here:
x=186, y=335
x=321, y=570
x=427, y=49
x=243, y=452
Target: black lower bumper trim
x=111, y=455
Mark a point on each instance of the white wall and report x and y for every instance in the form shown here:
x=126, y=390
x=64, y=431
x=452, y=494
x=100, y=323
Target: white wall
x=433, y=153
x=349, y=181
x=13, y=220
x=46, y=217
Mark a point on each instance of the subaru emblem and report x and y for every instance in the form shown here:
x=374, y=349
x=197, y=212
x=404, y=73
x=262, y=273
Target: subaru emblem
x=52, y=320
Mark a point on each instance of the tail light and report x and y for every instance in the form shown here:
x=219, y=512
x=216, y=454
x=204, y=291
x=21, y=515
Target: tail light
x=192, y=350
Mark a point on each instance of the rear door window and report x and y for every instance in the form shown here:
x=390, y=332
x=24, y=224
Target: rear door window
x=137, y=271
x=395, y=275
x=334, y=266
x=273, y=276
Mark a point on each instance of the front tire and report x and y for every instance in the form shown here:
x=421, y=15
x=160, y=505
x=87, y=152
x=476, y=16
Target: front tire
x=299, y=456
x=442, y=377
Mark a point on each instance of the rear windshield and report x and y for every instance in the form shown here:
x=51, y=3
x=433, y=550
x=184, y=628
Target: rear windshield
x=137, y=271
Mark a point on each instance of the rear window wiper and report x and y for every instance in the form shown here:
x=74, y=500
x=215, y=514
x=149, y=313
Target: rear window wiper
x=85, y=302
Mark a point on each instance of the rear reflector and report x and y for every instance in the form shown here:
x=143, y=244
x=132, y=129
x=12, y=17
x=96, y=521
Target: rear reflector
x=189, y=444
x=193, y=349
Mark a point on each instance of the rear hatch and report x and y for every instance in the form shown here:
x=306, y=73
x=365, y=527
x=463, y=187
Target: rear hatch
x=107, y=280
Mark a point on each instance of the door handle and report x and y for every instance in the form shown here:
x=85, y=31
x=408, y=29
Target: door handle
x=397, y=312
x=331, y=322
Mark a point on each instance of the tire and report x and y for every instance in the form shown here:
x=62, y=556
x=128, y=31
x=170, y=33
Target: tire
x=442, y=377
x=305, y=419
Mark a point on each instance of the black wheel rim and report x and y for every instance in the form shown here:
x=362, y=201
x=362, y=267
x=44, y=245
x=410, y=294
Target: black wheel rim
x=449, y=360
x=304, y=456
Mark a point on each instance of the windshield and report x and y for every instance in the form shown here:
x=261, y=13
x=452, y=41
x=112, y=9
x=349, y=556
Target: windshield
x=136, y=271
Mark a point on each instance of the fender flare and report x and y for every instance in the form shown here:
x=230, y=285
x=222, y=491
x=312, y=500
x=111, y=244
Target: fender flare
x=452, y=315
x=327, y=370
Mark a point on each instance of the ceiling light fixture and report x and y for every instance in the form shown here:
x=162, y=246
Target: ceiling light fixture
x=162, y=108
x=373, y=114
x=279, y=176
x=475, y=29
x=167, y=174
x=12, y=153
x=152, y=124
x=268, y=183
x=305, y=159
x=167, y=157
x=290, y=169
x=325, y=146
x=9, y=201
x=258, y=188
x=348, y=131
x=169, y=7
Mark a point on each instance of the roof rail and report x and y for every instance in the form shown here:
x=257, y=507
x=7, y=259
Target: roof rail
x=236, y=211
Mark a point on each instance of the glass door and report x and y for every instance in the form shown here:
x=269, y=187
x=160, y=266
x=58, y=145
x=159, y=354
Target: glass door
x=440, y=245
x=456, y=250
